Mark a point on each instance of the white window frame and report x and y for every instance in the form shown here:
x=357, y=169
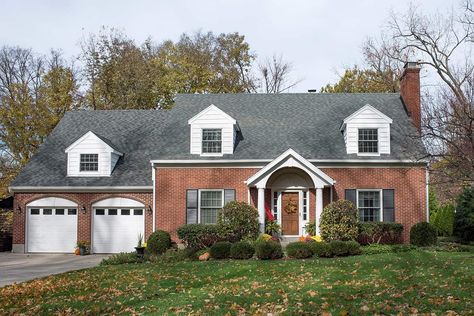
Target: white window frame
x=380, y=191
x=199, y=200
x=378, y=142
x=89, y=171
x=202, y=140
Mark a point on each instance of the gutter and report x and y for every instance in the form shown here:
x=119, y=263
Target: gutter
x=16, y=189
x=253, y=161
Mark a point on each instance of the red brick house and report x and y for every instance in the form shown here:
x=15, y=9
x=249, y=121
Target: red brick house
x=108, y=176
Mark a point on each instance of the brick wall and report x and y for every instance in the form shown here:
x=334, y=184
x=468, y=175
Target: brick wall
x=82, y=199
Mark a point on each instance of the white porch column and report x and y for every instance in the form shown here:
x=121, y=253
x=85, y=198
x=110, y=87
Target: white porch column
x=261, y=209
x=319, y=207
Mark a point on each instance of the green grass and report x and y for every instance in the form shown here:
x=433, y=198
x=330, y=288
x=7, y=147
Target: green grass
x=410, y=282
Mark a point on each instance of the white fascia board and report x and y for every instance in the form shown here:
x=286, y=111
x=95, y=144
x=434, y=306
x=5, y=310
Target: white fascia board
x=371, y=108
x=243, y=161
x=80, y=189
x=211, y=107
x=113, y=150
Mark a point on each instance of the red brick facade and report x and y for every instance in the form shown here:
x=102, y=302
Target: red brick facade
x=410, y=93
x=172, y=183
x=84, y=219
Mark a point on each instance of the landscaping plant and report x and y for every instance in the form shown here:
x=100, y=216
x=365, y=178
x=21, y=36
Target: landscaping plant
x=158, y=242
x=320, y=249
x=121, y=258
x=464, y=217
x=340, y=248
x=443, y=220
x=379, y=233
x=242, y=250
x=220, y=250
x=423, y=234
x=339, y=221
x=199, y=236
x=238, y=220
x=272, y=227
x=267, y=250
x=299, y=250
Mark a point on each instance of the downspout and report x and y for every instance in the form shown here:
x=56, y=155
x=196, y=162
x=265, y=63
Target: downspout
x=427, y=195
x=153, y=207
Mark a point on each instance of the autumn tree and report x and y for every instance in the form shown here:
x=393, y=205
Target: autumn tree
x=275, y=75
x=35, y=92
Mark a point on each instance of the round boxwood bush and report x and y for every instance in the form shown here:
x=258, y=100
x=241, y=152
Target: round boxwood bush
x=339, y=221
x=242, y=250
x=237, y=221
x=299, y=250
x=158, y=242
x=320, y=249
x=220, y=250
x=340, y=248
x=423, y=234
x=266, y=250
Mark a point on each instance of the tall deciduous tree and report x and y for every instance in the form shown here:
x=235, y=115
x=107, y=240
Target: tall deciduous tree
x=275, y=75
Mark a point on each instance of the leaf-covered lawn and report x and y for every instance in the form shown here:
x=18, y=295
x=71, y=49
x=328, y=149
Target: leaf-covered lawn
x=412, y=282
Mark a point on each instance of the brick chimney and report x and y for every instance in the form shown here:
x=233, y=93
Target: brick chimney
x=410, y=92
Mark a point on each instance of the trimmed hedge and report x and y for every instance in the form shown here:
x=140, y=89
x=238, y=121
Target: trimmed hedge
x=344, y=248
x=299, y=250
x=158, y=242
x=220, y=250
x=266, y=250
x=423, y=234
x=242, y=250
x=339, y=221
x=199, y=236
x=320, y=249
x=379, y=233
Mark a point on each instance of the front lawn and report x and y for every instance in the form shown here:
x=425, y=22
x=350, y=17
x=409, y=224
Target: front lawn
x=410, y=282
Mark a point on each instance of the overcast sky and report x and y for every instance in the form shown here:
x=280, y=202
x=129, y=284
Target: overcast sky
x=319, y=37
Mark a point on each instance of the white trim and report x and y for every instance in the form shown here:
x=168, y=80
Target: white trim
x=381, y=200
x=199, y=200
x=118, y=202
x=86, y=135
x=80, y=189
x=153, y=177
x=209, y=108
x=368, y=154
x=51, y=202
x=371, y=108
x=237, y=161
x=427, y=177
x=301, y=222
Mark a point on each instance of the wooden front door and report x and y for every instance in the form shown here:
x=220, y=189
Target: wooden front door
x=290, y=217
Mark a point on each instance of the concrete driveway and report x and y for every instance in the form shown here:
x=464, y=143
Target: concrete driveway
x=16, y=267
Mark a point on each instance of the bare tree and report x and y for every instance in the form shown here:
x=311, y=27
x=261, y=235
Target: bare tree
x=275, y=75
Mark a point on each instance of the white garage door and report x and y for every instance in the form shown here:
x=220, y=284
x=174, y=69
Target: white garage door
x=51, y=228
x=116, y=229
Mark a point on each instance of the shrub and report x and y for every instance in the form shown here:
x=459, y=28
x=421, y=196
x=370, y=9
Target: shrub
x=242, y=250
x=339, y=221
x=423, y=234
x=464, y=217
x=310, y=228
x=220, y=250
x=174, y=255
x=340, y=248
x=272, y=227
x=158, y=242
x=320, y=249
x=238, y=220
x=443, y=220
x=450, y=247
x=266, y=250
x=121, y=258
x=379, y=233
x=373, y=249
x=299, y=250
x=199, y=236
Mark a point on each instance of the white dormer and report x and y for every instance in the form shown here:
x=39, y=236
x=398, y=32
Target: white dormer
x=213, y=132
x=367, y=132
x=91, y=156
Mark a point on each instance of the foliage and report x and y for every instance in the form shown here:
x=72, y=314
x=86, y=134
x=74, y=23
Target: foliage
x=174, y=255
x=379, y=233
x=443, y=220
x=423, y=234
x=272, y=227
x=257, y=287
x=433, y=203
x=373, y=249
x=341, y=248
x=220, y=250
x=199, y=236
x=83, y=244
x=464, y=217
x=357, y=80
x=121, y=258
x=238, y=220
x=310, y=228
x=320, y=249
x=158, y=242
x=339, y=221
x=450, y=247
x=242, y=250
x=268, y=250
x=6, y=223
x=299, y=250
x=264, y=237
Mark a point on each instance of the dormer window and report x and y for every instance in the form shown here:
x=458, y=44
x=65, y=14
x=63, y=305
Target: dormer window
x=368, y=140
x=89, y=162
x=212, y=141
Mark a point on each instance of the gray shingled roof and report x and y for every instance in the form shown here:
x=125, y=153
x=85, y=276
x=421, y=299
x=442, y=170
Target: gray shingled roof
x=270, y=124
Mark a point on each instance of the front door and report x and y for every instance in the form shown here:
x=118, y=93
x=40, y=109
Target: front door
x=290, y=213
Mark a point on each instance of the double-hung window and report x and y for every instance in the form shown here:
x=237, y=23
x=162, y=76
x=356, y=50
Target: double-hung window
x=89, y=162
x=369, y=205
x=368, y=140
x=212, y=141
x=211, y=201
